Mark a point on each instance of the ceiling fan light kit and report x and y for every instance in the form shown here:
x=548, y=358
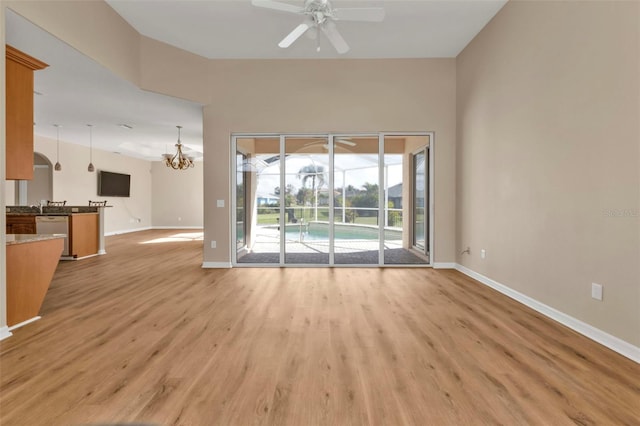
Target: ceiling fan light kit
x=321, y=16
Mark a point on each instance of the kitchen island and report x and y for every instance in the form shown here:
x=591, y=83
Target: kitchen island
x=31, y=262
x=84, y=226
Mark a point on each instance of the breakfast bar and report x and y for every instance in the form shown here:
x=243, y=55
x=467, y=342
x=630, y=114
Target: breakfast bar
x=27, y=284
x=83, y=225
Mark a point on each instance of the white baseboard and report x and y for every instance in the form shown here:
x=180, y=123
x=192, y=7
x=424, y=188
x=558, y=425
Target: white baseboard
x=23, y=323
x=614, y=343
x=213, y=265
x=126, y=231
x=4, y=332
x=444, y=265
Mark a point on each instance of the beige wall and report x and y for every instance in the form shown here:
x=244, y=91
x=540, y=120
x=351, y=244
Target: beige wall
x=289, y=96
x=176, y=196
x=548, y=107
x=76, y=185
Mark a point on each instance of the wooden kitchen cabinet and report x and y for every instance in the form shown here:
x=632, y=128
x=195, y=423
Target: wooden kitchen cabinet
x=19, y=113
x=83, y=234
x=21, y=224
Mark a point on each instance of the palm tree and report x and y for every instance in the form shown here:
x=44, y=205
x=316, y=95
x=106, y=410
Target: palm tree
x=316, y=174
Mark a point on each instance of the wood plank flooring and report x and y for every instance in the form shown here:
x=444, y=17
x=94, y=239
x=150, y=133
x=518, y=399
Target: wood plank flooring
x=144, y=335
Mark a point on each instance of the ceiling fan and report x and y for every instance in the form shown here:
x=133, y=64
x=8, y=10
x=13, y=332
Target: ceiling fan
x=325, y=145
x=321, y=16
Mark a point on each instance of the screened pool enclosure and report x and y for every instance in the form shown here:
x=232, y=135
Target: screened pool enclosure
x=332, y=199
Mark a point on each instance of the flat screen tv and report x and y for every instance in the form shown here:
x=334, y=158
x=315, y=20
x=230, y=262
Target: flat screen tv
x=113, y=184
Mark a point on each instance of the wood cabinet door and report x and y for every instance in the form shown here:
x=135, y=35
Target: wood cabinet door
x=23, y=228
x=83, y=232
x=19, y=113
x=21, y=224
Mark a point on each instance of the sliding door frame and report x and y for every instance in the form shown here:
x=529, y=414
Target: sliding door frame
x=381, y=199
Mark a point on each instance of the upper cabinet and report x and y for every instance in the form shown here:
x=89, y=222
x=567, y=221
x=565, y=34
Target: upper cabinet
x=19, y=108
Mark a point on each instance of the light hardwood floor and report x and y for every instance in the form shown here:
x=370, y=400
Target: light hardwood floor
x=145, y=335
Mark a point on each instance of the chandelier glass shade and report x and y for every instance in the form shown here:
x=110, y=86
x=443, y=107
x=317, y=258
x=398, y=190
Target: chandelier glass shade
x=178, y=161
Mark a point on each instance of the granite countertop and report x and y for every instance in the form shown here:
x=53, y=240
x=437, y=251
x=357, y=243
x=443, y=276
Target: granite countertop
x=49, y=214
x=31, y=238
x=51, y=210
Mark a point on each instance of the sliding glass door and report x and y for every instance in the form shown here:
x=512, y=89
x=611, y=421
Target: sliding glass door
x=356, y=226
x=419, y=182
x=332, y=199
x=258, y=212
x=306, y=200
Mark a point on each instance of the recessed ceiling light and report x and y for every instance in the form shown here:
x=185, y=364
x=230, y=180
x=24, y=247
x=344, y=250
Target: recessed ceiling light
x=125, y=126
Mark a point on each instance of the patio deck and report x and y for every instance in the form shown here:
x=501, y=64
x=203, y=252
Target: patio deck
x=266, y=250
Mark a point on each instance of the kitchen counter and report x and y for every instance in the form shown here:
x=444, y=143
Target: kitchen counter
x=22, y=220
x=30, y=238
x=53, y=210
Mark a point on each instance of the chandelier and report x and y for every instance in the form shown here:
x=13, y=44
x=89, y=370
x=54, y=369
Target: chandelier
x=178, y=161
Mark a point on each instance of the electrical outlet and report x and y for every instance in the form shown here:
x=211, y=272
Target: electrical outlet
x=483, y=254
x=213, y=244
x=220, y=203
x=179, y=219
x=596, y=291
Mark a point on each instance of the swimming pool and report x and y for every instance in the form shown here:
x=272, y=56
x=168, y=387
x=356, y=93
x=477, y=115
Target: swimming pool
x=319, y=231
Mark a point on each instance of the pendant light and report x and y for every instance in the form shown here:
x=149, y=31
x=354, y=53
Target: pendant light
x=57, y=167
x=90, y=168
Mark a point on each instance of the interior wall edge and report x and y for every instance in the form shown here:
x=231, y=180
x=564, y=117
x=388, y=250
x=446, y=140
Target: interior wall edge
x=3, y=237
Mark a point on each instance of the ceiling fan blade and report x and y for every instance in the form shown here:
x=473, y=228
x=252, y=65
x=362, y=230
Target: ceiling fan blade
x=345, y=141
x=294, y=35
x=276, y=5
x=365, y=14
x=330, y=30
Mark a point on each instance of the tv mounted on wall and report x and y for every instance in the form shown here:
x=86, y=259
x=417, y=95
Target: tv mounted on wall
x=113, y=184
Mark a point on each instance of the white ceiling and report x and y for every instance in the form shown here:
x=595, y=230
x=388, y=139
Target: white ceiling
x=236, y=29
x=76, y=91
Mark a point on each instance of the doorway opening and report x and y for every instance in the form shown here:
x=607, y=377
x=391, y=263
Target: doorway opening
x=31, y=192
x=333, y=199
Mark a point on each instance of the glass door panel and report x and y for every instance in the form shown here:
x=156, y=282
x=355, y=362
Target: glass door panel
x=356, y=200
x=419, y=198
x=259, y=174
x=306, y=200
x=405, y=196
x=241, y=231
